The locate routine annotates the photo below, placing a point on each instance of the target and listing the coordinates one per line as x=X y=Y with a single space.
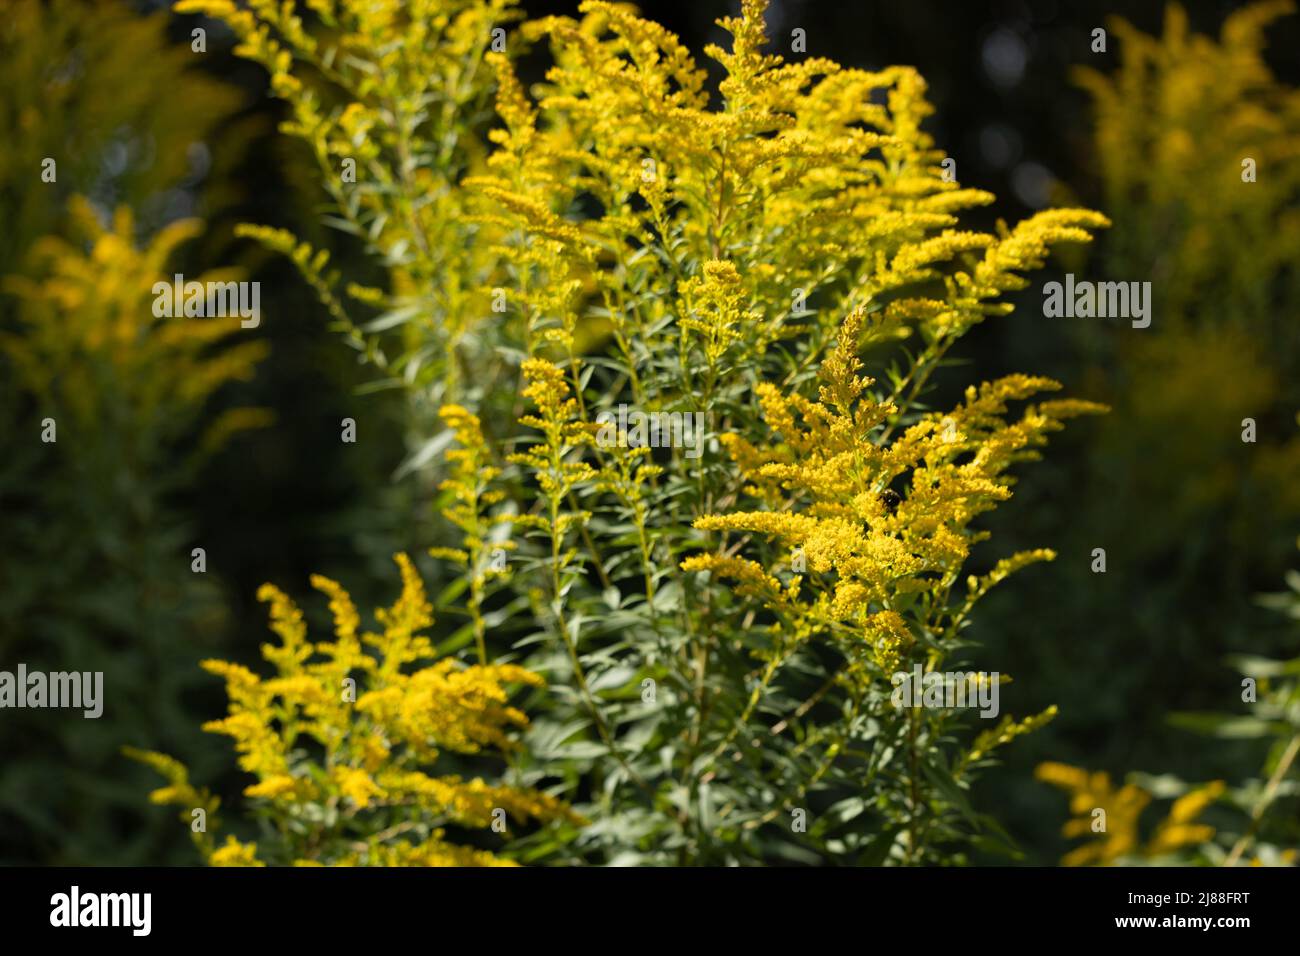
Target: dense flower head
x=881 y=521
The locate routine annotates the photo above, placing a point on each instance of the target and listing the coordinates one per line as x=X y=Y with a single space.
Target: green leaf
x=1227 y=726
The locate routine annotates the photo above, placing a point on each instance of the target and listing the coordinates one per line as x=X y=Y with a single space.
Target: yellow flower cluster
x=808 y=173
x=342 y=740
x=385 y=96
x=1111 y=815
x=1198 y=134
x=92 y=346
x=714 y=307
x=803 y=177
x=829 y=479
x=1197 y=142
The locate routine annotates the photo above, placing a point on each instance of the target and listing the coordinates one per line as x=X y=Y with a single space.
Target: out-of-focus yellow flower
x=234 y=853
x=1112 y=815
x=91 y=345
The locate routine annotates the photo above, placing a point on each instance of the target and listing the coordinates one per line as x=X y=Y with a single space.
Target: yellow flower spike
x=287 y=622
x=346 y=619
x=714 y=307
x=411 y=612
x=472 y=497
x=1179 y=828
x=750 y=577
x=272 y=787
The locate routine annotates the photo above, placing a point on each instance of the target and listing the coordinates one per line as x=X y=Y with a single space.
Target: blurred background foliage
x=97 y=529
x=95 y=544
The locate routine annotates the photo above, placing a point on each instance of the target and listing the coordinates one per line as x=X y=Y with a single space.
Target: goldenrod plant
x=101 y=574
x=1182 y=498
x=100 y=101
x=699 y=480
x=393 y=100
x=344 y=741
x=744 y=540
x=97 y=349
x=1259 y=823
x=1196 y=143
